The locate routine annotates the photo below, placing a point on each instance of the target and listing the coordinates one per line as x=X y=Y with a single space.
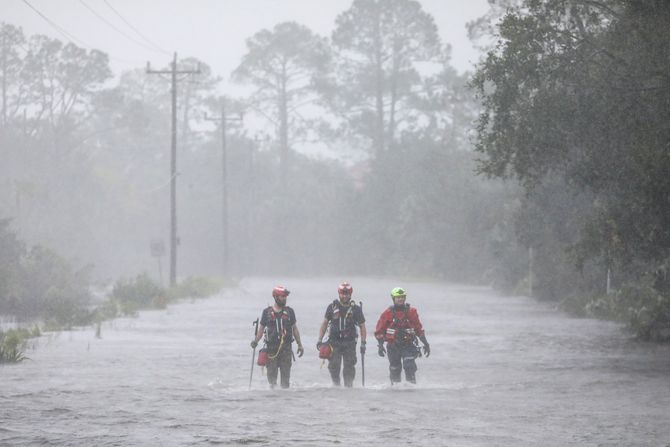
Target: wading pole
x=253 y=356
x=362 y=357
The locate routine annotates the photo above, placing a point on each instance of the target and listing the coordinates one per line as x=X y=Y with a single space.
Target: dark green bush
x=107 y=310
x=576 y=305
x=138 y=293
x=52 y=290
x=644 y=309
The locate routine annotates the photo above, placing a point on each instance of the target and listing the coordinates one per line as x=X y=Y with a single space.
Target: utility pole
x=224 y=119
x=174 y=240
x=4 y=79
x=530 y=271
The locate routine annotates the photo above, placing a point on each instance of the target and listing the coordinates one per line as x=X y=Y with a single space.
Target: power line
x=111 y=25
x=65 y=34
x=68 y=36
x=149 y=41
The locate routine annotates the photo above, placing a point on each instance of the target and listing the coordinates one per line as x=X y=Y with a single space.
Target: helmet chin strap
x=279 y=303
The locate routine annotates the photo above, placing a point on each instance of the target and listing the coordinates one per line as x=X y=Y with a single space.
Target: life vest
x=342 y=324
x=401 y=329
x=279 y=329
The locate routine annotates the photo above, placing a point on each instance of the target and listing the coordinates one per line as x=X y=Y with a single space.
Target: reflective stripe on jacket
x=401 y=324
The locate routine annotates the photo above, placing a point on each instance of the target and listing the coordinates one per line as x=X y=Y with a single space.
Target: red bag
x=325 y=351
x=262 y=357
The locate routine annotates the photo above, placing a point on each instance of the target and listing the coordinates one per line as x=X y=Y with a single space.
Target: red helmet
x=345 y=289
x=280 y=291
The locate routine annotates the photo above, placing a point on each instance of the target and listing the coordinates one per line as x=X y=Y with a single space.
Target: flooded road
x=504 y=371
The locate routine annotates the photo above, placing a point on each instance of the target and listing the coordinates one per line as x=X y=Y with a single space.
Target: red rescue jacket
x=401 y=325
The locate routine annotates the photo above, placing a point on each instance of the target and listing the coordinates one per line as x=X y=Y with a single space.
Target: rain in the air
x=334 y=222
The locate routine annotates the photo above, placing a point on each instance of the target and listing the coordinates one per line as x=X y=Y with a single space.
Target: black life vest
x=342 y=323
x=279 y=327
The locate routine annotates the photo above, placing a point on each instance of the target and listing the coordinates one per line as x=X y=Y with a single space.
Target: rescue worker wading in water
x=278 y=323
x=343 y=315
x=399 y=326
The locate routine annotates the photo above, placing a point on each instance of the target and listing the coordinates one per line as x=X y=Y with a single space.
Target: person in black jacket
x=344 y=316
x=278 y=324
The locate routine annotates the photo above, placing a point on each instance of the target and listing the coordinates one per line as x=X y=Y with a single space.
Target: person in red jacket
x=399 y=326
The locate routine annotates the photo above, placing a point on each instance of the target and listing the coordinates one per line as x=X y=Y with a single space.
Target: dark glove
x=426 y=349
x=254 y=343
x=319 y=344
x=426 y=346
x=301 y=351
x=380 y=349
x=362 y=348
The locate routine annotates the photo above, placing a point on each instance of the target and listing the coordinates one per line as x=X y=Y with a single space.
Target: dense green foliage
x=576 y=101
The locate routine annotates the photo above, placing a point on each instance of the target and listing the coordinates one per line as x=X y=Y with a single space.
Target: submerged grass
x=13 y=344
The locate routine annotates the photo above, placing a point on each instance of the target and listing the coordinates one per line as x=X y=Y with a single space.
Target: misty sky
x=212 y=30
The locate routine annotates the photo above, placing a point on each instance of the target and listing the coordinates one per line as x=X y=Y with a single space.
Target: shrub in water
x=647 y=312
x=138 y=293
x=12 y=345
x=193 y=287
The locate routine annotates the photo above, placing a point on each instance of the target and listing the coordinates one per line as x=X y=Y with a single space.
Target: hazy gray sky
x=214 y=31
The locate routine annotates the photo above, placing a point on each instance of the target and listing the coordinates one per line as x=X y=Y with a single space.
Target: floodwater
x=504 y=371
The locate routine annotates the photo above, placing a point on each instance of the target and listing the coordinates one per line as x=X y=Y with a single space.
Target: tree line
x=575 y=99
x=86 y=169
x=365 y=152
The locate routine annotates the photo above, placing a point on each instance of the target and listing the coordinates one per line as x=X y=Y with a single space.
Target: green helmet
x=398 y=291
